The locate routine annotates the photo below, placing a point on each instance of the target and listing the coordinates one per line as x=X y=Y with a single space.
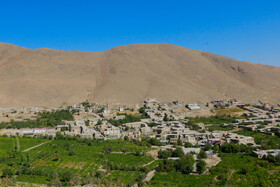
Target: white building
x=193 y=106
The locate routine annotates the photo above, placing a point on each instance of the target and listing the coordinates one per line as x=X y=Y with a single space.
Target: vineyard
x=234 y=170
x=65 y=160
x=73 y=161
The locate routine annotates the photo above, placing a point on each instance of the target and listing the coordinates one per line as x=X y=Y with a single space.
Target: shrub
x=7 y=172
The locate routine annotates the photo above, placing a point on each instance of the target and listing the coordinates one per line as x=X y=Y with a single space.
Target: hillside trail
x=149 y=163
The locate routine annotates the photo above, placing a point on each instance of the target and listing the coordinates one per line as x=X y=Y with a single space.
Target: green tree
x=178 y=152
x=164 y=154
x=179 y=142
x=188 y=144
x=207 y=147
x=165 y=118
x=166 y=166
x=99 y=122
x=216 y=148
x=185 y=164
x=200 y=166
x=126 y=138
x=201 y=155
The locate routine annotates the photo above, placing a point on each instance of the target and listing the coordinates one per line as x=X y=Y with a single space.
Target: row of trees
x=45 y=119
x=235 y=148
x=185 y=163
x=128 y=119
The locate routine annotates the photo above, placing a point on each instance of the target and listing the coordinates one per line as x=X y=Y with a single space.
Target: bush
x=99 y=174
x=188 y=144
x=56 y=183
x=244 y=170
x=166 y=166
x=152 y=124
x=7 y=172
x=99 y=122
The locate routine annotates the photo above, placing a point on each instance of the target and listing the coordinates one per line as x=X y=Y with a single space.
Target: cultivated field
x=115 y=160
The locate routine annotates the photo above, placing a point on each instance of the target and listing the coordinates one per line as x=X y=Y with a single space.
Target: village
x=168 y=123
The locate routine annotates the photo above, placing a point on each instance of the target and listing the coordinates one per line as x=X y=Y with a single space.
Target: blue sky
x=247 y=30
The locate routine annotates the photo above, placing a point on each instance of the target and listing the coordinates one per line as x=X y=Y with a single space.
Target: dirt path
x=148 y=163
x=234 y=130
x=115 y=152
x=35 y=146
x=212 y=161
x=230 y=173
x=18 y=144
x=149 y=176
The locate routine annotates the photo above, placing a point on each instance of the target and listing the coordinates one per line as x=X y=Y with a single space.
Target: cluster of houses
x=164 y=122
x=265 y=153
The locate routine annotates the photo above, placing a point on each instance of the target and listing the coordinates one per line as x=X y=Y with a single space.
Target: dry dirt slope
x=129 y=74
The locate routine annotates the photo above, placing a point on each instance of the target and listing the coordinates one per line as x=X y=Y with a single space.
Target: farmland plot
x=63 y=159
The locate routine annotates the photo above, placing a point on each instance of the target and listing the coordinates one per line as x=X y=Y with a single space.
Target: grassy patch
x=179 y=179
x=212 y=120
x=34 y=178
x=228 y=112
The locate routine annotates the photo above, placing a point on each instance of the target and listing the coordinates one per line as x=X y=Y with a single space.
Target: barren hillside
x=129 y=74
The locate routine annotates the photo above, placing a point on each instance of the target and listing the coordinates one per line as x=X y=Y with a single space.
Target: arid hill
x=128 y=75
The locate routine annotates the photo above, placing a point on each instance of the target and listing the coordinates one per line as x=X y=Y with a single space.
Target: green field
x=115 y=160
x=8 y=144
x=233 y=170
x=80 y=161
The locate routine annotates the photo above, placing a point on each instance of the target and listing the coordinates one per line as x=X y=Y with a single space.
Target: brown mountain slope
x=129 y=74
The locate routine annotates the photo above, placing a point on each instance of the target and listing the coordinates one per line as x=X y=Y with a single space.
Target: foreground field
x=234 y=170
x=67 y=161
x=71 y=161
x=7 y=145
